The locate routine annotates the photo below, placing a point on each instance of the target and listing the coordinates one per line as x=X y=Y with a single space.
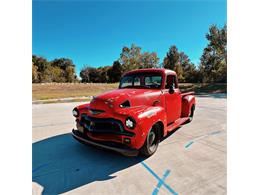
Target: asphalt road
x=190 y=161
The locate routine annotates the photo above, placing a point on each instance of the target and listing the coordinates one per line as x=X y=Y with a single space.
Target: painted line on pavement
x=159 y=179
x=159 y=185
x=189 y=143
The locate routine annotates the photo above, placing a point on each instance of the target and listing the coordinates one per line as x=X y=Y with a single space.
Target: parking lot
x=192 y=160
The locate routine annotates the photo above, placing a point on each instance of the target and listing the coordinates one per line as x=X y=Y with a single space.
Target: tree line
x=59 y=70
x=212 y=66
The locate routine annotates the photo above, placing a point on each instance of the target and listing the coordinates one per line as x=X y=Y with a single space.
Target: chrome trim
x=131 y=152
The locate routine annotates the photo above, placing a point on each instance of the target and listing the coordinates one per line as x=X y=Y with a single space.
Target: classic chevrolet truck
x=135 y=117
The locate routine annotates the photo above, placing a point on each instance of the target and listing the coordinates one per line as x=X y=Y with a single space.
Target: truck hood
x=136 y=97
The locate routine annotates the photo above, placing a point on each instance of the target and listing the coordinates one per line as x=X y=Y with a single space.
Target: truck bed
x=187 y=93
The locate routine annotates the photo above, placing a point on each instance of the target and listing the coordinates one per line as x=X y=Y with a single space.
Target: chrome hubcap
x=152 y=141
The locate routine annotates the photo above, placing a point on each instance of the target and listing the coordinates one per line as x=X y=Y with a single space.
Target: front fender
x=82 y=109
x=145 y=119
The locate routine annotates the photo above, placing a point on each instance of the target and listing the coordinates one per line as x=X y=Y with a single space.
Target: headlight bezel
x=128 y=121
x=75 y=112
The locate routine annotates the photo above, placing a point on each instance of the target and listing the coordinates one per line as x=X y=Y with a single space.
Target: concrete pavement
x=190 y=161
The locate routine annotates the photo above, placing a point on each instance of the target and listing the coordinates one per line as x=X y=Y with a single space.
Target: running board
x=177 y=123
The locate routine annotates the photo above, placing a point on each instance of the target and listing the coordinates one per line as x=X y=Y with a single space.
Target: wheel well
x=161 y=128
x=192 y=110
x=192 y=107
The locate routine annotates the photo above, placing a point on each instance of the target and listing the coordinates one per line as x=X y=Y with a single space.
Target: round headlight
x=130 y=123
x=75 y=112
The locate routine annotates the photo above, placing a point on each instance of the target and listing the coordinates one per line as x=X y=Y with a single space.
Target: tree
x=53 y=74
x=94 y=75
x=172 y=58
x=34 y=73
x=58 y=70
x=181 y=64
x=89 y=74
x=67 y=66
x=62 y=63
x=149 y=60
x=84 y=74
x=114 y=73
x=188 y=68
x=218 y=40
x=103 y=74
x=69 y=74
x=179 y=71
x=130 y=57
x=42 y=64
x=191 y=74
x=213 y=62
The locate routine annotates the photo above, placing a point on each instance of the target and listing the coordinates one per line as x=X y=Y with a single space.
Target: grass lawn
x=47 y=91
x=66 y=90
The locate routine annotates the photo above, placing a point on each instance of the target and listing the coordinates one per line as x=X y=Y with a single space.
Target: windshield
x=141 y=80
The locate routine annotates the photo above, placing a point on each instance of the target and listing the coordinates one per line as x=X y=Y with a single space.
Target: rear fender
x=187 y=102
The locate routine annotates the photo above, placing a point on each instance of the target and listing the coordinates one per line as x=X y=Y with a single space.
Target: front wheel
x=152 y=141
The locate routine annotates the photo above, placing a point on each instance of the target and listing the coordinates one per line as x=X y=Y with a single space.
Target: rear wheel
x=152 y=141
x=191 y=113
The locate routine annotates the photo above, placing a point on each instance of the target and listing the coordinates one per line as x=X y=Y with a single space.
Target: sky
x=93 y=33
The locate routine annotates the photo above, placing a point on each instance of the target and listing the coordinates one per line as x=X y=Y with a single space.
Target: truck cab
x=132 y=119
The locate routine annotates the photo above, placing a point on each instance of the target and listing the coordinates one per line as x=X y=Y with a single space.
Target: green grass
x=66 y=90
x=49 y=91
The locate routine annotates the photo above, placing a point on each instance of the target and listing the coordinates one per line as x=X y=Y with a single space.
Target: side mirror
x=171 y=89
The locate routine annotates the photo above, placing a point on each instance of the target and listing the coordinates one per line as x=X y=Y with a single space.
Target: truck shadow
x=169 y=134
x=61 y=164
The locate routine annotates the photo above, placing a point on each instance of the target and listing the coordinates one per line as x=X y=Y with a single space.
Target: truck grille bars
x=103 y=125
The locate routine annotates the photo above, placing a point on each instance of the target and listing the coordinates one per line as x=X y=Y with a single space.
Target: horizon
x=77 y=30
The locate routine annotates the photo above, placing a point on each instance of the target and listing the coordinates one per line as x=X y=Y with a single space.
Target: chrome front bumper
x=84 y=139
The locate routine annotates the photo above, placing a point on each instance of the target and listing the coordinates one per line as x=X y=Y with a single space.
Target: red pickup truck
x=134 y=118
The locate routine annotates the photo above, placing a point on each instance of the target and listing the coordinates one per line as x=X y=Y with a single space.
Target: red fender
x=187 y=102
x=146 y=119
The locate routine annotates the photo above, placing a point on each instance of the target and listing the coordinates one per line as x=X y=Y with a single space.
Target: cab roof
x=156 y=70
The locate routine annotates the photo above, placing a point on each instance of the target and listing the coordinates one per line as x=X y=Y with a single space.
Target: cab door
x=172 y=100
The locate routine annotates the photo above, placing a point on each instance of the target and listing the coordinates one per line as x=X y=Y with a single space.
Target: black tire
x=191 y=113
x=152 y=141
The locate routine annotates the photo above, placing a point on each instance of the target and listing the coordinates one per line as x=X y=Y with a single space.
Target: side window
x=153 y=81
x=170 y=80
x=137 y=81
